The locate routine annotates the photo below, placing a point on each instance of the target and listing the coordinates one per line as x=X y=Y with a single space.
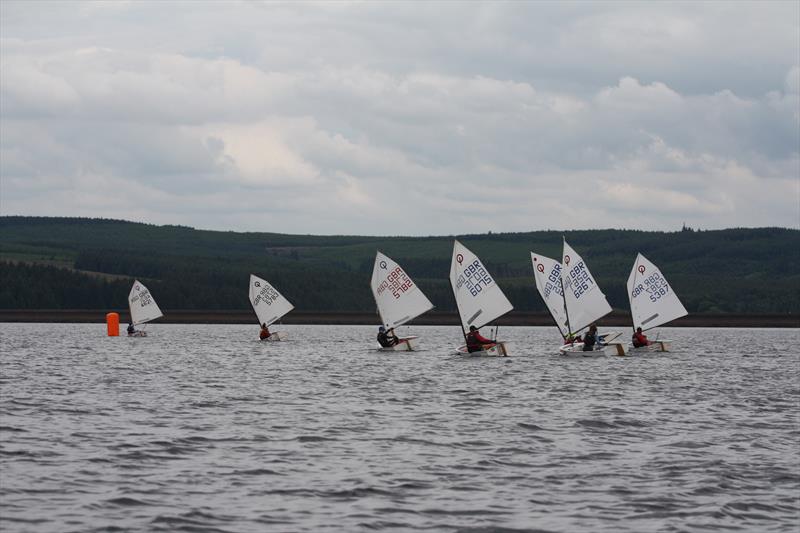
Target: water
x=203 y=428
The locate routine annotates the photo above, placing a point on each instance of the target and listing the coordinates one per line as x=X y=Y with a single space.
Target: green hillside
x=62 y=263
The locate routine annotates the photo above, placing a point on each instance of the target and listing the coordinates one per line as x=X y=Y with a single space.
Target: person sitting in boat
x=264 y=334
x=131 y=329
x=477 y=342
x=590 y=339
x=639 y=338
x=387 y=339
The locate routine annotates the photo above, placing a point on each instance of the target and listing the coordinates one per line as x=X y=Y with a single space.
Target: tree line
x=735 y=271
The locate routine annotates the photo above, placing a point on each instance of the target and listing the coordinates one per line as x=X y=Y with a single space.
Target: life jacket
x=473 y=344
x=383 y=339
x=265 y=334
x=639 y=340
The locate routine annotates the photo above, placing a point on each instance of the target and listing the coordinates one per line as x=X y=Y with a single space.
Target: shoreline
x=182 y=316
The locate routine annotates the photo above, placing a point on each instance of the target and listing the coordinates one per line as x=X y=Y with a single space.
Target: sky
x=402 y=118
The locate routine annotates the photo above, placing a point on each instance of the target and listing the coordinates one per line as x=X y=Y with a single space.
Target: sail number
x=579 y=280
x=143 y=298
x=655 y=286
x=553 y=282
x=397 y=282
x=267 y=295
x=475 y=277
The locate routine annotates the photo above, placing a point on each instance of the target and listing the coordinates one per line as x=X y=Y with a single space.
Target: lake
x=204 y=428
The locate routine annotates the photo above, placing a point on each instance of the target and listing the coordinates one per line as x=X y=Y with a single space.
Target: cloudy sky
x=402 y=118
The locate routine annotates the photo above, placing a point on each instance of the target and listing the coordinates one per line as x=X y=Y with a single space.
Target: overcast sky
x=402 y=118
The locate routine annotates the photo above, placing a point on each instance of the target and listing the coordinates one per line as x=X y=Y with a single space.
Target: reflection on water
x=204 y=428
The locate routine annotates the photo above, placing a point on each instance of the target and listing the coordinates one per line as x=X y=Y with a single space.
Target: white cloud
x=394 y=118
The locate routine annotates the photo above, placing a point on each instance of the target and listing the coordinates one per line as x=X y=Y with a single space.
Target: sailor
x=131 y=329
x=590 y=339
x=477 y=342
x=639 y=339
x=387 y=339
x=264 y=334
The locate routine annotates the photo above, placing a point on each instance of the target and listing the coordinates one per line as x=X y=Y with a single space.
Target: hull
x=576 y=350
x=277 y=336
x=138 y=334
x=408 y=344
x=498 y=350
x=654 y=346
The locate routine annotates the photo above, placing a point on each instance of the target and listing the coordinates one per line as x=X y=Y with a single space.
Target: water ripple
x=205 y=429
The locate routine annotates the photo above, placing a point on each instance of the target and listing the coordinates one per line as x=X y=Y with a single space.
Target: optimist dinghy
x=269 y=305
x=143 y=307
x=398 y=298
x=653 y=302
x=583 y=303
x=478 y=298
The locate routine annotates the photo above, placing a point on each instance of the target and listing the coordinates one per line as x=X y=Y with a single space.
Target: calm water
x=203 y=428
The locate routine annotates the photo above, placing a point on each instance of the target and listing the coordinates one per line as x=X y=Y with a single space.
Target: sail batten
x=583 y=299
x=478 y=297
x=398 y=298
x=653 y=302
x=268 y=304
x=142 y=305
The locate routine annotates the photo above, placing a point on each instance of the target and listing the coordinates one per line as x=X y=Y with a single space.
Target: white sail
x=398 y=298
x=142 y=305
x=584 y=300
x=547 y=273
x=653 y=302
x=478 y=297
x=268 y=303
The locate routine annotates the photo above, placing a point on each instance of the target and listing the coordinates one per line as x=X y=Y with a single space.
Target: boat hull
x=407 y=344
x=138 y=334
x=576 y=350
x=654 y=346
x=277 y=336
x=500 y=349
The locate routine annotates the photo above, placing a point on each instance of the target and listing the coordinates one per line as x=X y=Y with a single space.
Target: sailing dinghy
x=584 y=303
x=398 y=299
x=653 y=302
x=269 y=305
x=478 y=298
x=143 y=307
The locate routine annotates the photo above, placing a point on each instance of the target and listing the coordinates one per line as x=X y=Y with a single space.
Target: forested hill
x=77 y=263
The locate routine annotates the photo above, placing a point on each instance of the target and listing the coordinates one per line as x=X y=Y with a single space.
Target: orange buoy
x=112 y=323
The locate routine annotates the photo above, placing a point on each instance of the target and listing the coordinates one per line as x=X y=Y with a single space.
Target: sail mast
x=563 y=294
x=630 y=293
x=566 y=311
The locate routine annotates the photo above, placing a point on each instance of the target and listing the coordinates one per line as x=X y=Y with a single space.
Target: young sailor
x=477 y=342
x=387 y=339
x=264 y=334
x=590 y=339
x=131 y=329
x=639 y=339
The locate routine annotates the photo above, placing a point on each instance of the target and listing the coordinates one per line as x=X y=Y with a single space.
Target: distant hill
x=80 y=263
